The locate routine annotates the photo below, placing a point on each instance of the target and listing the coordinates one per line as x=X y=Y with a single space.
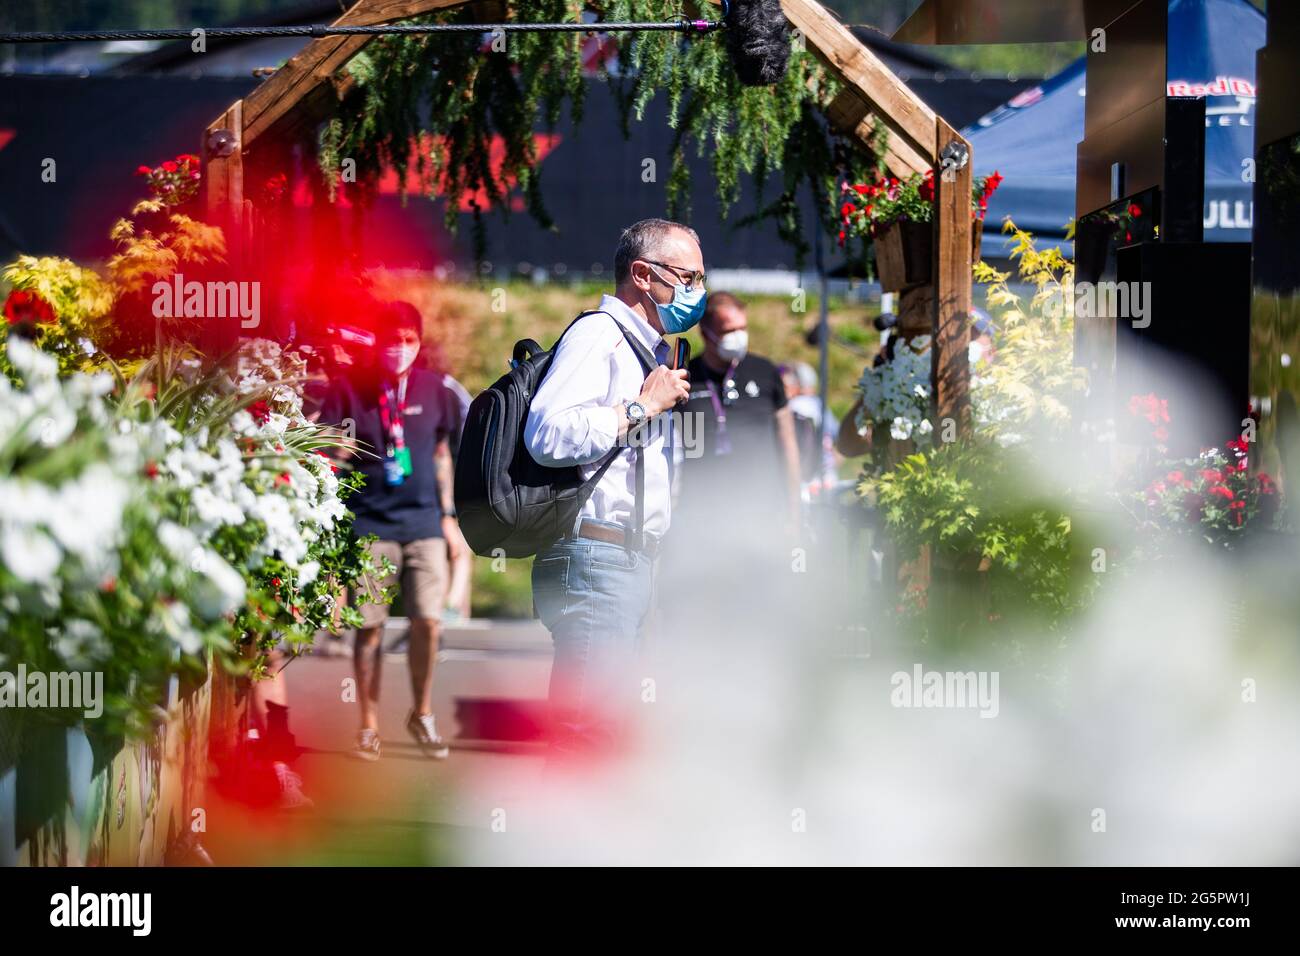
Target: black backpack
x=507 y=503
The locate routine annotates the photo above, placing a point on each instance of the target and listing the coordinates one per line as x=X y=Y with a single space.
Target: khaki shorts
x=422 y=570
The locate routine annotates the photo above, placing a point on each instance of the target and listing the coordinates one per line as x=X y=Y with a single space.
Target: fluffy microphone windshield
x=757 y=40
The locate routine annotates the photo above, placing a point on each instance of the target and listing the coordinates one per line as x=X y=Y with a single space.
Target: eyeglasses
x=692 y=278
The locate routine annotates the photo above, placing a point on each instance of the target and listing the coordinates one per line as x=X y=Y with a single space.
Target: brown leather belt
x=602 y=532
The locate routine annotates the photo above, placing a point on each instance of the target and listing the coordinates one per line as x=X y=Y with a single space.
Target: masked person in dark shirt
x=747 y=469
x=401 y=417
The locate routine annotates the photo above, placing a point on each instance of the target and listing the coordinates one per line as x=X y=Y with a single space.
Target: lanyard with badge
x=392 y=413
x=722 y=444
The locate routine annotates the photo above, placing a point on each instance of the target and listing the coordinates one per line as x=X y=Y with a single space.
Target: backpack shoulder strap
x=648 y=364
x=643 y=354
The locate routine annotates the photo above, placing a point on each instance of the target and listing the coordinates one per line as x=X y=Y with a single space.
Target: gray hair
x=642 y=240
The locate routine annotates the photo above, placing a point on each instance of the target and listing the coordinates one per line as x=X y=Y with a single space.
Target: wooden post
x=223 y=153
x=952 y=286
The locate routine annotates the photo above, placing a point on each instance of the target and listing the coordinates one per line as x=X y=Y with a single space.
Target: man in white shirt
x=592 y=588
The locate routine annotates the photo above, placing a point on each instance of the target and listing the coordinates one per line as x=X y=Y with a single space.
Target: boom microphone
x=757 y=40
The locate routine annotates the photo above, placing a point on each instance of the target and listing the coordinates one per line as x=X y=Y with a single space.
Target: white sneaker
x=424 y=731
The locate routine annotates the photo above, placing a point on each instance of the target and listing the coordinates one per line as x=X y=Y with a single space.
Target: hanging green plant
x=433 y=106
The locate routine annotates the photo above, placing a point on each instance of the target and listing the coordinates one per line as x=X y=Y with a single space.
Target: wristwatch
x=635 y=413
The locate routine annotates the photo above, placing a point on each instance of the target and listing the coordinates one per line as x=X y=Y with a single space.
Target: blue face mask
x=681 y=314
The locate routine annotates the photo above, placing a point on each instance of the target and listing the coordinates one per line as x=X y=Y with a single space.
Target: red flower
x=169 y=166
x=848 y=209
x=260 y=411
x=862 y=189
x=926 y=190
x=992 y=183
x=1223 y=491
x=143 y=171
x=187 y=159
x=1176 y=478
x=151 y=469
x=24 y=306
x=282 y=478
x=1150 y=407
x=1210 y=475
x=1134 y=210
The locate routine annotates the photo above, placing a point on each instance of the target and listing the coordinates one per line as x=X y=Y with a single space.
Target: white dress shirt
x=572 y=419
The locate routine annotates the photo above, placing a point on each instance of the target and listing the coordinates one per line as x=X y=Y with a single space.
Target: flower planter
x=958 y=595
x=70 y=796
x=904 y=252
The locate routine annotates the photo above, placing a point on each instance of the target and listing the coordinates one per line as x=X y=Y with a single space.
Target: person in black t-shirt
x=748 y=467
x=401 y=418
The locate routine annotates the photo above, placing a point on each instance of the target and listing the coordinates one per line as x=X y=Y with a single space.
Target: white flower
x=86 y=515
x=242 y=423
x=80 y=642
x=220 y=588
x=180 y=542
x=173 y=619
x=213 y=511
x=29 y=554
x=31 y=362
x=307 y=573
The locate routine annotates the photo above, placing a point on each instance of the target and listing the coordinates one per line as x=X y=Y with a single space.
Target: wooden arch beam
x=872 y=88
x=917 y=138
x=285 y=91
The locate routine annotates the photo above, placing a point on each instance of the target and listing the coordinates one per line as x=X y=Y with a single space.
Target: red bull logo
x=1222 y=86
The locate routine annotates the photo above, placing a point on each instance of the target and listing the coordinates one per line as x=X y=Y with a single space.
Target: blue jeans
x=594 y=598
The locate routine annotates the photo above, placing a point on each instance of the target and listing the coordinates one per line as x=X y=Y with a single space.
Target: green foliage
x=454 y=97
x=971 y=502
x=173 y=510
x=1215 y=497
x=1026 y=390
x=967 y=503
x=79 y=298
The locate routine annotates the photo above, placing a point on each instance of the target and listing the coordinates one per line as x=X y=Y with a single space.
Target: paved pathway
x=489 y=690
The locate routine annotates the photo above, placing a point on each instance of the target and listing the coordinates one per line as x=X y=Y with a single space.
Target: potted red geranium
x=173 y=181
x=896 y=214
